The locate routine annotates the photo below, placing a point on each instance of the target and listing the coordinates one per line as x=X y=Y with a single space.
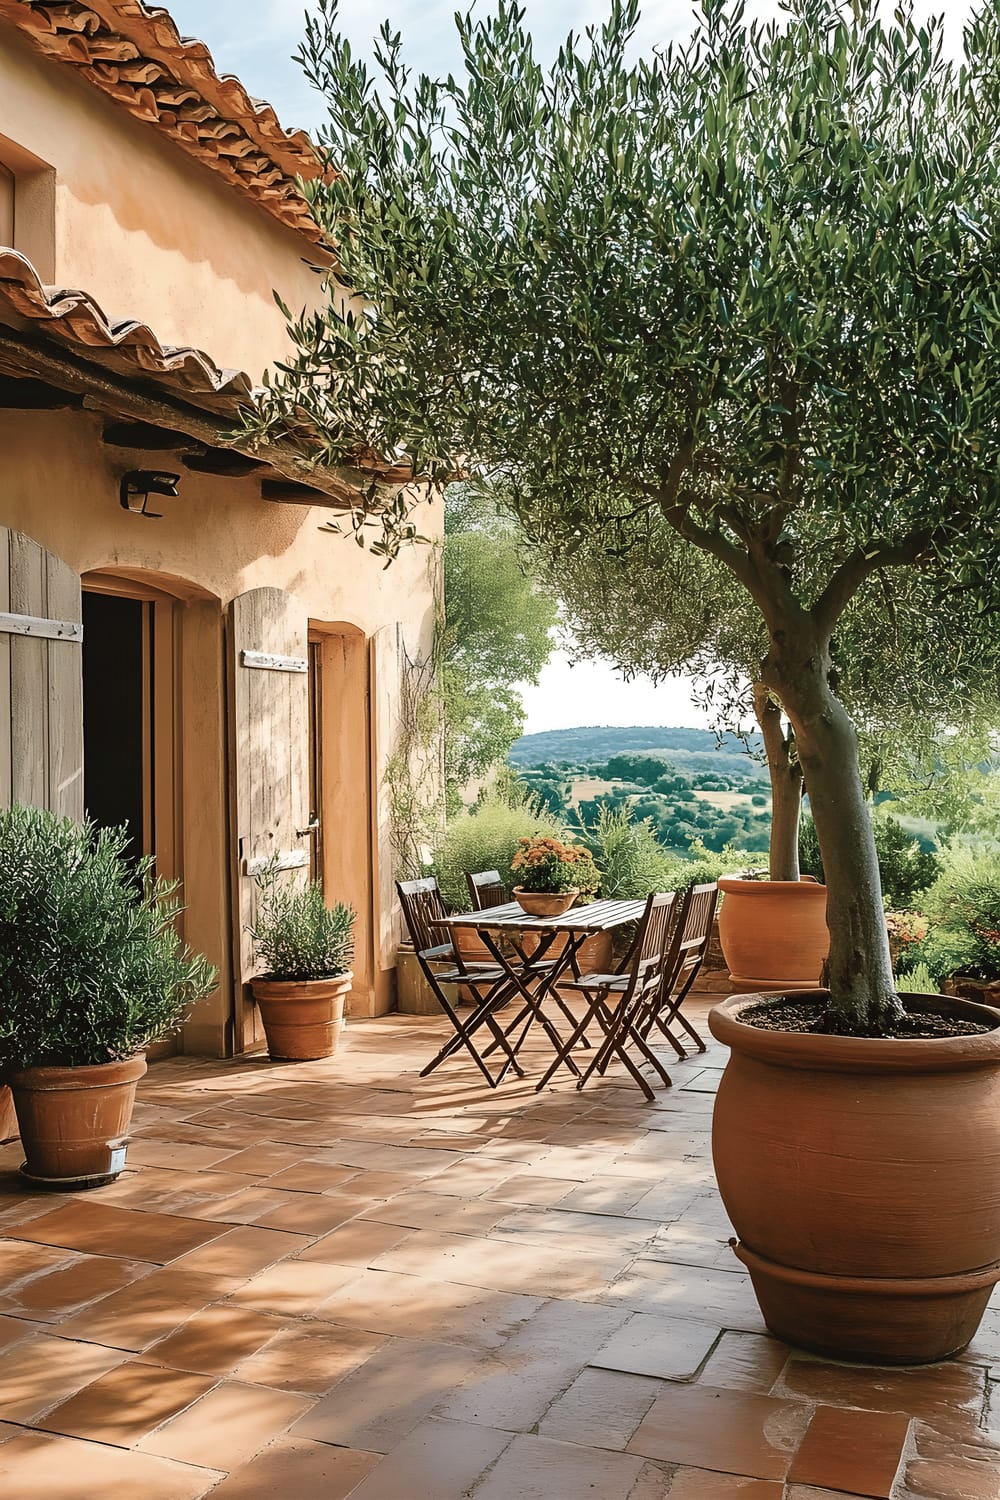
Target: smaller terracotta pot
x=303 y=1019
x=544 y=903
x=773 y=933
x=73 y=1122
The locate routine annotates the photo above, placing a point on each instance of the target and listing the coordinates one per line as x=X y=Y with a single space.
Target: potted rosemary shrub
x=306 y=948
x=91 y=971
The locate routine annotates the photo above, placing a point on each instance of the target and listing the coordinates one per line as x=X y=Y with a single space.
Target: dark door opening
x=117 y=729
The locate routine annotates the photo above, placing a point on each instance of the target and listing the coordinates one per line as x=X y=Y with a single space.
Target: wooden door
x=41 y=678
x=269 y=736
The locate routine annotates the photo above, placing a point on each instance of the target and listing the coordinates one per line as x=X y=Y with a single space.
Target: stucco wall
x=147 y=230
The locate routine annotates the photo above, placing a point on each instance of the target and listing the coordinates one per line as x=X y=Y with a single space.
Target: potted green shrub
x=91 y=971
x=729 y=316
x=306 y=949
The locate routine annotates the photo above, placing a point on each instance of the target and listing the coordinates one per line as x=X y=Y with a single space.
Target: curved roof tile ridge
x=75 y=318
x=134 y=53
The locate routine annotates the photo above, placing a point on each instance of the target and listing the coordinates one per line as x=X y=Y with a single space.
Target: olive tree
x=742 y=292
x=924 y=714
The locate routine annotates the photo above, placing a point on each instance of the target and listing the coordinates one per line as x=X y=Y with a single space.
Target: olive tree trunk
x=785 y=771
x=862 y=991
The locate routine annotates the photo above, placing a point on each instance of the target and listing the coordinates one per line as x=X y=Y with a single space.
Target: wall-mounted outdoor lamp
x=139 y=484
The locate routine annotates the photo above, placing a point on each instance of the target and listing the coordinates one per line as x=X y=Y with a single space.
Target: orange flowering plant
x=546 y=864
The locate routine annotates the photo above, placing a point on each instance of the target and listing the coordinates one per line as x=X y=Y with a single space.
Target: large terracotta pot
x=303 y=1019
x=773 y=933
x=73 y=1122
x=863 y=1179
x=544 y=903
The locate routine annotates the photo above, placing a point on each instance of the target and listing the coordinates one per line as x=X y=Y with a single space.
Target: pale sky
x=255 y=39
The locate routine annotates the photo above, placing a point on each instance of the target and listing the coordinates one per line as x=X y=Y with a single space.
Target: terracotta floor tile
x=470 y=1178
x=732 y=1431
x=13 y=1330
x=59 y=1294
x=532 y=1189
x=745 y=1362
x=417 y=1307
x=98 y=1230
x=309 y=1357
x=612 y=1195
x=702 y=1484
x=314 y=1213
x=810 y=1492
x=239 y=1253
x=356 y=1243
x=599 y=1233
x=293 y=1287
x=562 y=1271
x=243 y=1207
x=537 y=1468
x=296 y=1469
x=439 y=1211
x=122 y=1406
x=310 y=1177
x=20 y=1260
x=35 y=1466
x=215 y=1340
x=132 y=1318
x=377 y=1406
x=181 y=1154
x=436 y=1461
x=512 y=1389
x=930 y=1391
x=39 y=1372
x=944 y=1479
x=263 y=1160
x=412 y=1161
x=649 y=1344
x=377 y=1186
x=225 y=1428
x=688 y=1291
x=857 y=1449
x=601 y=1409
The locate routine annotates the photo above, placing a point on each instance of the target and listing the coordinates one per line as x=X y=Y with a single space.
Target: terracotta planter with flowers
x=548 y=875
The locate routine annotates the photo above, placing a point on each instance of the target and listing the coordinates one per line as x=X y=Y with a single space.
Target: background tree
x=742 y=296
x=498 y=634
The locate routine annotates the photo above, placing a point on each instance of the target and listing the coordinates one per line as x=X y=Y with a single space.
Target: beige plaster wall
x=147 y=230
x=216 y=540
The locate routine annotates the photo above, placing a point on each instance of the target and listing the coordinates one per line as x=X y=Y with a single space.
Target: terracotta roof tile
x=126 y=345
x=135 y=54
x=130 y=349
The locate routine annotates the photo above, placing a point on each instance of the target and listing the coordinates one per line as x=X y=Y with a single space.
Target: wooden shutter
x=386 y=650
x=41 y=678
x=269 y=724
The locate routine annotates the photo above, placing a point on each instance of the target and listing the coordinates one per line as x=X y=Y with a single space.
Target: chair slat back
x=486 y=888
x=422 y=903
x=694 y=928
x=651 y=942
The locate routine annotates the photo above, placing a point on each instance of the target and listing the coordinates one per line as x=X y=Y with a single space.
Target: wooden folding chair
x=617 y=1001
x=487 y=983
x=689 y=944
x=486 y=888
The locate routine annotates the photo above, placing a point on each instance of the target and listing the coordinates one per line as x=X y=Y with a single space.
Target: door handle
x=311 y=828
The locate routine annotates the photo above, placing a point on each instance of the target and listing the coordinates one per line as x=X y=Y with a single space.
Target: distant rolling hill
x=595 y=743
